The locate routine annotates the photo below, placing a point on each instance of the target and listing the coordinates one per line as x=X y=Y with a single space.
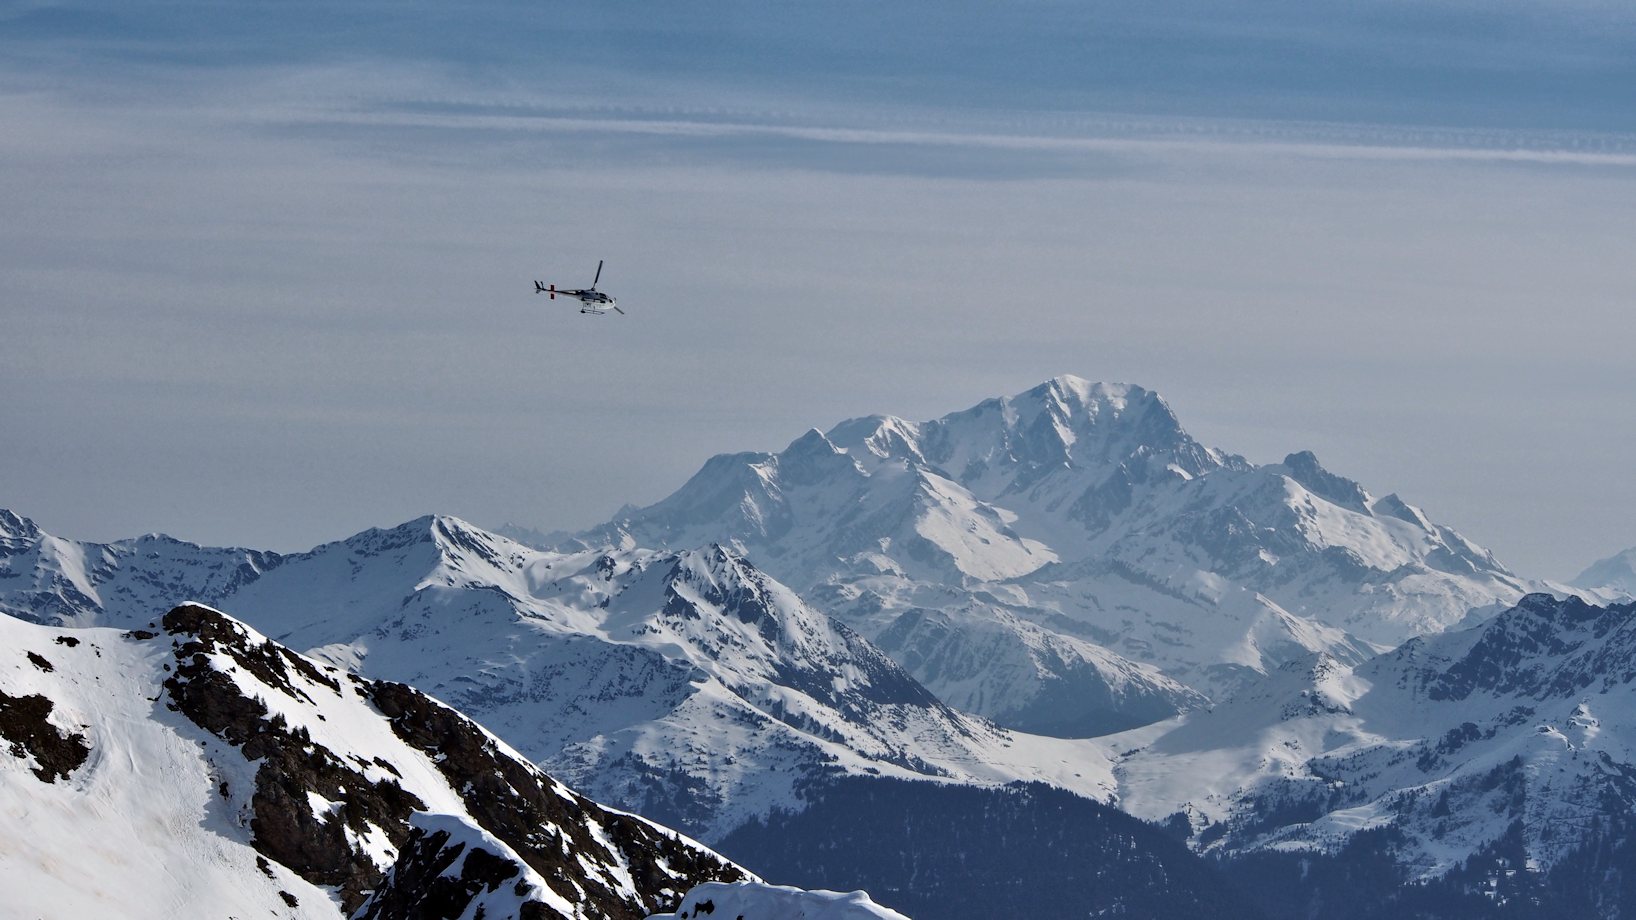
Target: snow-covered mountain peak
x=14 y=526
x=1086 y=391
x=1393 y=506
x=750 y=629
x=437 y=529
x=724 y=578
x=1007 y=444
x=886 y=488
x=1075 y=401
x=874 y=438
x=1065 y=422
x=466 y=544
x=1086 y=511
x=717 y=579
x=1304 y=468
x=442 y=547
x=1067 y=396
x=812 y=458
x=1617 y=572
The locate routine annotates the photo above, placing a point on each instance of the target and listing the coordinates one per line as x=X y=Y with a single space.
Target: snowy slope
x=202 y=770
x=1523 y=725
x=1078 y=533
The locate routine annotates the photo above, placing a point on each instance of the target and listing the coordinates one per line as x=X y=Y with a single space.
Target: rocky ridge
x=291 y=787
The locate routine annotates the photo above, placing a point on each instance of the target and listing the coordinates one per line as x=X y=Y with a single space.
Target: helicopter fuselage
x=594 y=301
x=590 y=299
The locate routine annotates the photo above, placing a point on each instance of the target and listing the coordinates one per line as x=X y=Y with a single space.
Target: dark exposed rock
x=420 y=886
x=284 y=826
x=1304 y=468
x=517 y=803
x=39 y=661
x=1542 y=647
x=24 y=725
x=549 y=829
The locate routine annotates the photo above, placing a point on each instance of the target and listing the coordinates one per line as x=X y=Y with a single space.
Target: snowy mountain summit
x=1617 y=574
x=1070 y=560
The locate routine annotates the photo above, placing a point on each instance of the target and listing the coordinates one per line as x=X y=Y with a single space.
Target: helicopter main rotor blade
x=598 y=274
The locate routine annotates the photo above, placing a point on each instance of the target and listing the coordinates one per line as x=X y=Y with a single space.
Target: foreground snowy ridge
x=199 y=769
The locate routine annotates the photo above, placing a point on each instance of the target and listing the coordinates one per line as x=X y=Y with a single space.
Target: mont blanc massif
x=1045 y=657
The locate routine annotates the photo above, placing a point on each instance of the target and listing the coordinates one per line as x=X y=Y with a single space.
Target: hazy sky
x=266 y=268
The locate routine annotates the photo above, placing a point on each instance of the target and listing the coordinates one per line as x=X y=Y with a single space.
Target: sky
x=266 y=268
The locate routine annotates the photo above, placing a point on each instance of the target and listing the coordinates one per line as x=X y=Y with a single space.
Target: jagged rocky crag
x=296 y=788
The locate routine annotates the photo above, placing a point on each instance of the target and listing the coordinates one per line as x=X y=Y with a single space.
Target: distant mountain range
x=1059 y=591
x=688 y=686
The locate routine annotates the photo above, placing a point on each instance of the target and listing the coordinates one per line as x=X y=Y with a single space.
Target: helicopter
x=590 y=299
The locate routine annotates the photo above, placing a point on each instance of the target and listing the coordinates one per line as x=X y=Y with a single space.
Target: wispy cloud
x=264 y=294
x=1107 y=135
